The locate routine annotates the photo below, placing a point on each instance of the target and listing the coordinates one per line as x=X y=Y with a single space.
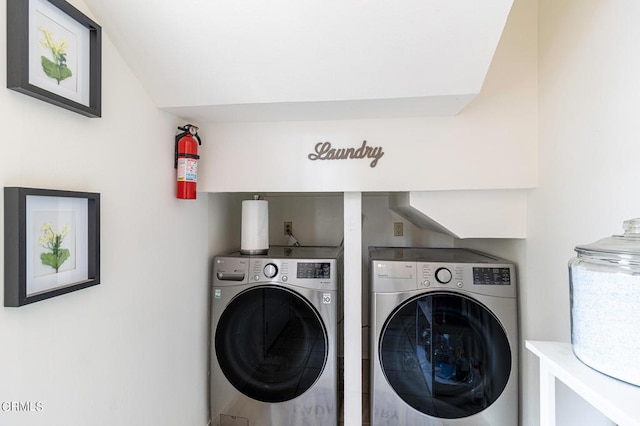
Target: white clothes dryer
x=444 y=338
x=274 y=337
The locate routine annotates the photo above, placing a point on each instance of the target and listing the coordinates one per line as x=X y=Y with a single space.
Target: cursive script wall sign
x=324 y=151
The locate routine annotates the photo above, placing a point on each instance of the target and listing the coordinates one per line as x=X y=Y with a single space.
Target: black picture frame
x=81 y=91
x=34 y=220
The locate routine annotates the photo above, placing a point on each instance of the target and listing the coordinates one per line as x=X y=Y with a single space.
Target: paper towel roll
x=255 y=227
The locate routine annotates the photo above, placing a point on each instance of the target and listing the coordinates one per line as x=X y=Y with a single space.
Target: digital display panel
x=314 y=270
x=491 y=276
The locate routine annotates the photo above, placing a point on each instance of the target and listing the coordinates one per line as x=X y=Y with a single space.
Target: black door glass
x=445 y=355
x=271 y=344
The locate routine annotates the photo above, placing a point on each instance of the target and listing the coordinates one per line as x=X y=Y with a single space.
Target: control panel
x=435 y=274
x=463 y=275
x=304 y=273
x=394 y=269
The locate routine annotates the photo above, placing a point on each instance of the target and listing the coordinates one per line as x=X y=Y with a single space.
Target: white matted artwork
x=59 y=58
x=57 y=242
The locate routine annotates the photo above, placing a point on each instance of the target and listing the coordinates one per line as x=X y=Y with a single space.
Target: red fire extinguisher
x=186 y=161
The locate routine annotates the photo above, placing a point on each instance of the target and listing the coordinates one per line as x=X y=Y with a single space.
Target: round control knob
x=443 y=275
x=270 y=270
x=426 y=283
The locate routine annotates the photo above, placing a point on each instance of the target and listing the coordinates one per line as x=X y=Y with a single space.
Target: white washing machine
x=444 y=338
x=274 y=337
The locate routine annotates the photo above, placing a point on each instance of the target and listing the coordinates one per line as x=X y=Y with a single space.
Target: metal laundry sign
x=324 y=151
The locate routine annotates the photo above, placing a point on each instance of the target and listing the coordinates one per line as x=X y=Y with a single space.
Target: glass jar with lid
x=605 y=304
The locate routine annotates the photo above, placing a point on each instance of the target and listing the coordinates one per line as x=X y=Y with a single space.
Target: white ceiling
x=251 y=60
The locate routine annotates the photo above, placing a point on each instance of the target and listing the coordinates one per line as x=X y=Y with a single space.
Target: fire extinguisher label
x=187 y=169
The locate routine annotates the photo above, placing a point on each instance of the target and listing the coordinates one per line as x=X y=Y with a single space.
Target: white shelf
x=617 y=400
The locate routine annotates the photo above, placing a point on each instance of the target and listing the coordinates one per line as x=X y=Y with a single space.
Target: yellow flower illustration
x=56 y=68
x=52 y=241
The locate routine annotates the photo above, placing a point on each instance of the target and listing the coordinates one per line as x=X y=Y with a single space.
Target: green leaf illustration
x=55 y=260
x=53 y=70
x=56 y=68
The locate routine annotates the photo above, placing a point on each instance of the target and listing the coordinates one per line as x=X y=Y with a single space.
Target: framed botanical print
x=52 y=243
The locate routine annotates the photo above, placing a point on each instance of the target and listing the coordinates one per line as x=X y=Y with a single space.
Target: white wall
x=589 y=100
x=490 y=144
x=132 y=350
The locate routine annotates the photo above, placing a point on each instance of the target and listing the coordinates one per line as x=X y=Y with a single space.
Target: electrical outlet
x=288 y=228
x=397 y=229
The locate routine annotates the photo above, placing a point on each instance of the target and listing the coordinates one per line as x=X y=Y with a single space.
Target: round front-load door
x=271 y=344
x=445 y=355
